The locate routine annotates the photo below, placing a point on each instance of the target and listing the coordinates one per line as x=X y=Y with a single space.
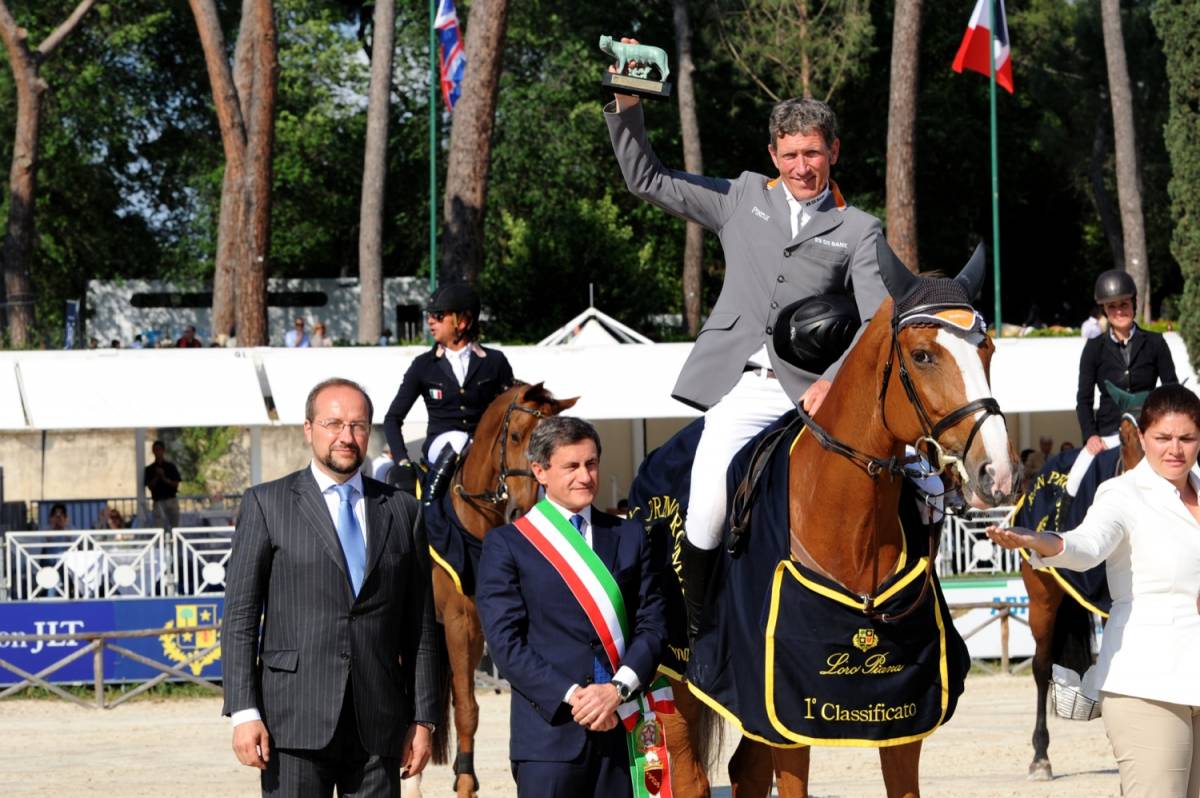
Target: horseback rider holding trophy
x=795 y=254
x=457 y=379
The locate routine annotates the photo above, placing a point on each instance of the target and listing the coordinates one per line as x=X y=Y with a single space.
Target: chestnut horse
x=917 y=375
x=492 y=485
x=1062 y=632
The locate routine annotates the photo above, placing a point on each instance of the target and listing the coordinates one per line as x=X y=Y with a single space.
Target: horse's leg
x=1045 y=596
x=464 y=645
x=901 y=769
x=688 y=779
x=751 y=769
x=791 y=771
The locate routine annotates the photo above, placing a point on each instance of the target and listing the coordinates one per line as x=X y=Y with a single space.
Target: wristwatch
x=431 y=726
x=624 y=691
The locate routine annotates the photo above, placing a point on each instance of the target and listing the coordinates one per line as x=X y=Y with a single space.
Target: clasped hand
x=595 y=707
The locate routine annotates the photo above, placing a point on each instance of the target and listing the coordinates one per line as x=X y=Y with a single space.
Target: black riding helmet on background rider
x=461 y=300
x=1114 y=285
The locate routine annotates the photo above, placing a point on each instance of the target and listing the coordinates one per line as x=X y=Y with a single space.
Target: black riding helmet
x=454 y=297
x=813 y=333
x=1113 y=285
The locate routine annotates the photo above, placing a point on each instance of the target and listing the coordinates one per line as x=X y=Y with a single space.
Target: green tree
x=1178 y=23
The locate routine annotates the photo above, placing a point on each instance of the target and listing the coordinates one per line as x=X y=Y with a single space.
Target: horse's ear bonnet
x=932 y=299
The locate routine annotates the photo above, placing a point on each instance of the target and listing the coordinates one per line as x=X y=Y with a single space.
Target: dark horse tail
x=441 y=734
x=1074 y=635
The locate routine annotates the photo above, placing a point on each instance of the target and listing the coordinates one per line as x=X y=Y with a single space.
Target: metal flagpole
x=434 y=80
x=995 y=163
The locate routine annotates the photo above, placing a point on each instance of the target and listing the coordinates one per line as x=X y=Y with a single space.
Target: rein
x=895 y=466
x=489 y=501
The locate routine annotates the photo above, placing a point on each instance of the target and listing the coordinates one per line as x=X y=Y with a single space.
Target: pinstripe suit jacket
x=287 y=568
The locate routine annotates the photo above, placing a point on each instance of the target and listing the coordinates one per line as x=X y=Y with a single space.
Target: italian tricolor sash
x=593 y=586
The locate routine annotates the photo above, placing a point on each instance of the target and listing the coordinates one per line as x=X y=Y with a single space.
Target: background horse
x=1062 y=630
x=492 y=485
x=918 y=375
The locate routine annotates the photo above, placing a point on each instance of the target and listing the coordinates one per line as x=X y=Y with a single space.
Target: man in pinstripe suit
x=344 y=690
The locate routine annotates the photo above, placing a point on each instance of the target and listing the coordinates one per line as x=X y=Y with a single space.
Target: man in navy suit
x=565 y=737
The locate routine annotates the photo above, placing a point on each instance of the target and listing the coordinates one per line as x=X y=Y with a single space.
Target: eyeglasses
x=437 y=315
x=334 y=426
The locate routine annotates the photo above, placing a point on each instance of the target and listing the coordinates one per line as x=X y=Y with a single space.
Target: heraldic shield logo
x=865 y=640
x=196 y=650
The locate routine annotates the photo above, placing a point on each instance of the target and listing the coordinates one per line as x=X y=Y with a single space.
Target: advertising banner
x=112 y=615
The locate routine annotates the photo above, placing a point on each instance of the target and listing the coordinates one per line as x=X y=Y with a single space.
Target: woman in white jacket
x=1145 y=527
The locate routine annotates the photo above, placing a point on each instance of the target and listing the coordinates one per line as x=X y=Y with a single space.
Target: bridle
x=489 y=501
x=936 y=455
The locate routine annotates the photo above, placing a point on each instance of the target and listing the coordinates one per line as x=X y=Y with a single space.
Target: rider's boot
x=698 y=565
x=440 y=474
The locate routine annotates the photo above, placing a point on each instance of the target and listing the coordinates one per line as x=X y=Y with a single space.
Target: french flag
x=973 y=52
x=453 y=59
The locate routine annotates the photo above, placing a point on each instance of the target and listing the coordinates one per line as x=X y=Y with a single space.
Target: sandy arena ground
x=181 y=748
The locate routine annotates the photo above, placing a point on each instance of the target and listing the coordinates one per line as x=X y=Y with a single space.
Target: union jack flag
x=453 y=59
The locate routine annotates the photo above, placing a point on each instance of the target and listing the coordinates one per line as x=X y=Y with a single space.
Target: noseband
x=490 y=500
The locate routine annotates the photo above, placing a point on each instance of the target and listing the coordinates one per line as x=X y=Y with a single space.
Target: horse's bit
x=489 y=500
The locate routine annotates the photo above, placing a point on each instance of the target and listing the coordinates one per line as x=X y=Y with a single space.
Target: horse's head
x=937 y=393
x=498 y=456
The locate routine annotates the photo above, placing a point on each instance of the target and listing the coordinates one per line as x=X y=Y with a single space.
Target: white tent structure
x=592 y=327
x=265 y=387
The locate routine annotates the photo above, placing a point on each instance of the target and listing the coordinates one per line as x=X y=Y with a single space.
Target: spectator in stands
x=58 y=517
x=1037 y=459
x=320 y=337
x=297 y=338
x=1093 y=326
x=385 y=338
x=93 y=343
x=114 y=344
x=114 y=519
x=1066 y=446
x=188 y=340
x=382 y=464
x=137 y=342
x=162 y=479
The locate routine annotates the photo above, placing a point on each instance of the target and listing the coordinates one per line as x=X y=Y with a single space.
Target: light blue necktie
x=351 y=537
x=600 y=673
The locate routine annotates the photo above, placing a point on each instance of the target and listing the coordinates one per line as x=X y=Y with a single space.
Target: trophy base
x=625 y=84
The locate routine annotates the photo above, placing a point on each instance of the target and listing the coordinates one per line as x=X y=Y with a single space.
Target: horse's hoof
x=1040 y=771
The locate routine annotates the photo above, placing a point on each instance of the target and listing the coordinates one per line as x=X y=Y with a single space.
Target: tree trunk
x=1129 y=193
x=244 y=97
x=1109 y=219
x=370 y=218
x=471 y=143
x=22 y=179
x=693 y=161
x=805 y=64
x=260 y=146
x=902 y=133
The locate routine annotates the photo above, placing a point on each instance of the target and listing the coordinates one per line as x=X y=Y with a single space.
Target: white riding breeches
x=753 y=403
x=1084 y=460
x=453 y=438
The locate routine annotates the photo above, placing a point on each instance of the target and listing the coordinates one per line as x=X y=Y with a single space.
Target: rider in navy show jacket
x=457 y=379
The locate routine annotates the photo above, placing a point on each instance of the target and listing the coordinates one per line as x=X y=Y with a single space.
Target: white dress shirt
x=1149 y=543
x=801 y=213
x=459 y=362
x=624 y=674
x=333 y=501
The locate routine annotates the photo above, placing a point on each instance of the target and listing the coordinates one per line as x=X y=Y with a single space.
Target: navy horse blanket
x=1042 y=510
x=450 y=545
x=788 y=655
